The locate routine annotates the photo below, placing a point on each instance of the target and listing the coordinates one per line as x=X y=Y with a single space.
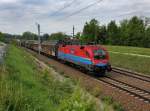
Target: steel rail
x=137 y=92
x=131 y=74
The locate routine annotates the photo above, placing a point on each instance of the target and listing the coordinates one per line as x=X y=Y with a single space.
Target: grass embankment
x=132 y=58
x=1 y=44
x=23 y=87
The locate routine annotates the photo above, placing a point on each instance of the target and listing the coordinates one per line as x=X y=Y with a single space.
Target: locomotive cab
x=100 y=60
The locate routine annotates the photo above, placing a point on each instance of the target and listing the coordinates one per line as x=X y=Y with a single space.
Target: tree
x=29 y=36
x=78 y=35
x=136 y=31
x=57 y=36
x=45 y=37
x=103 y=35
x=4 y=37
x=113 y=33
x=124 y=34
x=146 y=40
x=1 y=36
x=91 y=31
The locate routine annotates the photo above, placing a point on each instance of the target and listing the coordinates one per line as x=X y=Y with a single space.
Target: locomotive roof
x=93 y=47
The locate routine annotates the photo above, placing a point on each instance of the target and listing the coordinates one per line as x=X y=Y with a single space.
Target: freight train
x=91 y=57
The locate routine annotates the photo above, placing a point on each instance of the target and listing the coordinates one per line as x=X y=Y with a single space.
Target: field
x=26 y=87
x=132 y=58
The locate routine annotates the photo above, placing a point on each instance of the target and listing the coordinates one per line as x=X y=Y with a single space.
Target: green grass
x=109 y=101
x=24 y=87
x=126 y=49
x=1 y=43
x=132 y=62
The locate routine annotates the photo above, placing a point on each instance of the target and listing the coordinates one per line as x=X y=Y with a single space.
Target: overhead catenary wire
x=63 y=8
x=131 y=13
x=82 y=9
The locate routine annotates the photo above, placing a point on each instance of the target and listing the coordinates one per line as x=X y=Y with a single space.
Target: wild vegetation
x=24 y=87
x=1 y=37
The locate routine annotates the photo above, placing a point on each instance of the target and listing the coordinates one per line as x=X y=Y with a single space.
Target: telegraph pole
x=39 y=39
x=73 y=31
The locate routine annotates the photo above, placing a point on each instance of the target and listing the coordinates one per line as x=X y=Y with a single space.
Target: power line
x=64 y=7
x=82 y=9
x=130 y=13
x=121 y=15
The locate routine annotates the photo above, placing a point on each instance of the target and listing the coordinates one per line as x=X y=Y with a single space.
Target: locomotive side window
x=72 y=50
x=99 y=54
x=87 y=54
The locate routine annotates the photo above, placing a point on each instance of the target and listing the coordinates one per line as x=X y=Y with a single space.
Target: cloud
x=17 y=16
x=7 y=1
x=34 y=2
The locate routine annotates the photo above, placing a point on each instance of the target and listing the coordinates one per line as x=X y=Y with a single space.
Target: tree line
x=54 y=36
x=6 y=37
x=131 y=32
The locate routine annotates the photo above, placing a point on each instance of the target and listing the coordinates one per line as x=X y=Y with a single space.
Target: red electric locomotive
x=91 y=57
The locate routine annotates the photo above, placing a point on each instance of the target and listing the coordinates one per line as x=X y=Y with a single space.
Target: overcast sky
x=17 y=16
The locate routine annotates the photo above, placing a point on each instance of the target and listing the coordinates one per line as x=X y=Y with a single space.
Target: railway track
x=132 y=90
x=131 y=74
x=141 y=94
x=138 y=93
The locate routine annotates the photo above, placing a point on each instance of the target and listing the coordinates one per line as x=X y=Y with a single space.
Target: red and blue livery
x=91 y=57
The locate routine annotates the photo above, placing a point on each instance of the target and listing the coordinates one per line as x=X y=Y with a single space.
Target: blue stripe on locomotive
x=74 y=58
x=101 y=65
x=77 y=59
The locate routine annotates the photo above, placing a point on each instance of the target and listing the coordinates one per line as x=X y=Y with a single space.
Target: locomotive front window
x=99 y=54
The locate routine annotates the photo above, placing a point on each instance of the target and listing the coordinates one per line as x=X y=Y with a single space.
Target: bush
x=79 y=101
x=109 y=101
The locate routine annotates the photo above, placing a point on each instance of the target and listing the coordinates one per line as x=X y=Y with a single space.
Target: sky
x=18 y=16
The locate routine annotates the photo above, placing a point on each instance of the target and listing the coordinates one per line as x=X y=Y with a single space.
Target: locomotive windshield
x=99 y=54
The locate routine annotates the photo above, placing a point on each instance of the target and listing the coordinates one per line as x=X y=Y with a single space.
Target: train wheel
x=102 y=73
x=62 y=61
